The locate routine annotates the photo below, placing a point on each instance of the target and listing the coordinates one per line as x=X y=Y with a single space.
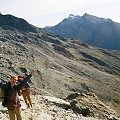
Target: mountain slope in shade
x=10 y=21
x=100 y=32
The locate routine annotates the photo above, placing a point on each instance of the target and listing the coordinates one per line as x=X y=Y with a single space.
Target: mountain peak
x=90 y=29
x=71 y=16
x=85 y=14
x=87 y=17
x=95 y=19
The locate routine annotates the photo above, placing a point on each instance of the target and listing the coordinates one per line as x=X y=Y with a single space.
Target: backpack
x=5 y=102
x=5 y=99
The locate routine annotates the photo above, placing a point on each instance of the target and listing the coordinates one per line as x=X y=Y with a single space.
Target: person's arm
x=25 y=80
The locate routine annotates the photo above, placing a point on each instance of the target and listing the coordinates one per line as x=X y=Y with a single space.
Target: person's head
x=20 y=77
x=13 y=80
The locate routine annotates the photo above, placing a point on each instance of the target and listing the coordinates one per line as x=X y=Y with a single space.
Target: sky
x=41 y=13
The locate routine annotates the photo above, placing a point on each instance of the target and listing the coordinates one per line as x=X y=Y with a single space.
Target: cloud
x=39 y=6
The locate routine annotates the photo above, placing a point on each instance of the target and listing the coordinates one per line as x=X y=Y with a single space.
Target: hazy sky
x=50 y=12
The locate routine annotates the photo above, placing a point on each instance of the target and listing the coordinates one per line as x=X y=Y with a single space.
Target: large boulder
x=90 y=105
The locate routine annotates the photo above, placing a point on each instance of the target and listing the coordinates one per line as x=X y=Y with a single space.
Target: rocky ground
x=52 y=108
x=42 y=110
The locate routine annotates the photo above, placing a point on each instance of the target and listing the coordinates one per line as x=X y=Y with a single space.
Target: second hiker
x=25 y=91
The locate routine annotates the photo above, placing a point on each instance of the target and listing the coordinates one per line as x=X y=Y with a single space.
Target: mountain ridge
x=15 y=22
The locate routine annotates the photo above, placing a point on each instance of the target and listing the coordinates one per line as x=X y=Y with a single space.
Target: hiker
x=25 y=75
x=25 y=91
x=11 y=99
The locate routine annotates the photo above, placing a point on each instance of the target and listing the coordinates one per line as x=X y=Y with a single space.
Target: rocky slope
x=93 y=30
x=62 y=67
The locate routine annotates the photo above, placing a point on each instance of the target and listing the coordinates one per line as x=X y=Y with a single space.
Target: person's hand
x=32 y=72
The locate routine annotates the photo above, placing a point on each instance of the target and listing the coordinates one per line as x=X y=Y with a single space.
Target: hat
x=20 y=76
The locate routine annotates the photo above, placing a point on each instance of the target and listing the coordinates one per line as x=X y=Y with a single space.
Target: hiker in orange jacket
x=11 y=101
x=25 y=91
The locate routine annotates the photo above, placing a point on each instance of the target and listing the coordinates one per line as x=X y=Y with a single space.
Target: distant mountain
x=93 y=30
x=12 y=22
